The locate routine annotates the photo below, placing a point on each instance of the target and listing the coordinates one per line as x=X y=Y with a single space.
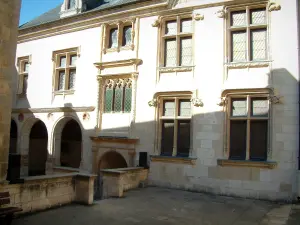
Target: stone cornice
x=247 y=64
x=115 y=140
x=243 y=163
x=118 y=63
x=54 y=109
x=248 y=90
x=173 y=159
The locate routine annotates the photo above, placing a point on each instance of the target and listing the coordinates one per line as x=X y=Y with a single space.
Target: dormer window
x=71 y=4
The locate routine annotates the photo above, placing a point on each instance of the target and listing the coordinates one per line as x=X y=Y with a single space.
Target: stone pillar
x=9 y=20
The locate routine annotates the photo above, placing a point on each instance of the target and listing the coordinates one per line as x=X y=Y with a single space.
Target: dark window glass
x=258 y=139
x=238 y=129
x=61 y=80
x=126 y=36
x=167 y=138
x=183 y=138
x=113 y=38
x=118 y=99
x=109 y=96
x=26 y=67
x=127 y=99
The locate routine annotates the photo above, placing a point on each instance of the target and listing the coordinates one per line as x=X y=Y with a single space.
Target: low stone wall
x=117 y=181
x=42 y=192
x=61 y=169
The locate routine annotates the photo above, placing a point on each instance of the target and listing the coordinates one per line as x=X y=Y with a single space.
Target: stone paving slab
x=158 y=206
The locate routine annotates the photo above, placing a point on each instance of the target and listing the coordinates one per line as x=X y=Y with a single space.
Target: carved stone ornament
x=152 y=103
x=275 y=99
x=156 y=23
x=273 y=6
x=197 y=102
x=86 y=116
x=50 y=116
x=198 y=17
x=222 y=101
x=221 y=13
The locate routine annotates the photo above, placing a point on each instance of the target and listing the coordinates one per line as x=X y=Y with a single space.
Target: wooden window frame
x=176 y=36
x=174 y=118
x=68 y=53
x=248 y=119
x=248 y=28
x=22 y=75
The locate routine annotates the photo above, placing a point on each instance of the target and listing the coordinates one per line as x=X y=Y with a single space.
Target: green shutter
x=108 y=100
x=118 y=99
x=127 y=101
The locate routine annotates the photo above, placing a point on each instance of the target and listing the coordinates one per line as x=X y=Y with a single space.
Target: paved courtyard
x=158 y=206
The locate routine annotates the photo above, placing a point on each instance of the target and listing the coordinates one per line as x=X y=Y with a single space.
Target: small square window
x=239 y=107
x=127 y=36
x=258 y=16
x=113 y=38
x=185 y=107
x=171 y=27
x=26 y=67
x=73 y=60
x=259 y=107
x=62 y=61
x=238 y=18
x=186 y=26
x=169 y=108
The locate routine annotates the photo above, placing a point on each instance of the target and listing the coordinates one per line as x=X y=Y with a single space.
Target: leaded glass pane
x=171 y=27
x=258 y=44
x=239 y=46
x=127 y=99
x=170 y=52
x=127 y=35
x=186 y=53
x=186 y=26
x=109 y=96
x=113 y=38
x=26 y=67
x=118 y=99
x=239 y=107
x=73 y=60
x=62 y=61
x=61 y=80
x=259 y=107
x=72 y=79
x=185 y=107
x=169 y=108
x=258 y=16
x=238 y=18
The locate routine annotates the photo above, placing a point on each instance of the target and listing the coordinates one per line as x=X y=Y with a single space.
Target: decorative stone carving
x=273 y=6
x=152 y=103
x=221 y=13
x=247 y=64
x=275 y=99
x=198 y=17
x=50 y=116
x=86 y=116
x=156 y=23
x=197 y=102
x=175 y=69
x=222 y=101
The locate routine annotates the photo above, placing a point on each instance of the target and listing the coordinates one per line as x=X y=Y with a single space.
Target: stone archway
x=13 y=137
x=112 y=160
x=37 y=154
x=67 y=142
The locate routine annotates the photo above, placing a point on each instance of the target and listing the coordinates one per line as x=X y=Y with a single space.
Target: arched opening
x=71 y=145
x=112 y=160
x=38 y=140
x=13 y=137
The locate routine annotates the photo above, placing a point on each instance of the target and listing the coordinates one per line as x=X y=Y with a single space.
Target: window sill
x=66 y=92
x=175 y=69
x=248 y=64
x=173 y=159
x=114 y=113
x=247 y=163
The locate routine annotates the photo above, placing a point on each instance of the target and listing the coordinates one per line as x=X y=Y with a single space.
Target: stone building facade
x=209 y=89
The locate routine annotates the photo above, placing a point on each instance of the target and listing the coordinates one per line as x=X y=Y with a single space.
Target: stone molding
x=247 y=64
x=273 y=6
x=54 y=109
x=171 y=159
x=175 y=69
x=115 y=140
x=118 y=63
x=198 y=17
x=242 y=163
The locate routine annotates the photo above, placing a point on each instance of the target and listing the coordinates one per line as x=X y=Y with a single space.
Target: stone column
x=9 y=19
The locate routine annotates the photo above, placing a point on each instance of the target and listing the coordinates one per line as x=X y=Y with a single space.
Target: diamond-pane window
x=127 y=36
x=258 y=16
x=258 y=44
x=113 y=38
x=62 y=61
x=239 y=47
x=108 y=102
x=127 y=99
x=259 y=107
x=238 y=18
x=185 y=107
x=186 y=51
x=61 y=80
x=169 y=108
x=171 y=52
x=239 y=107
x=118 y=99
x=72 y=78
x=171 y=27
x=186 y=26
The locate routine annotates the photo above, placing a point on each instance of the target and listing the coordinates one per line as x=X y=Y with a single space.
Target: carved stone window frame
x=56 y=56
x=23 y=74
x=178 y=35
x=227 y=96
x=120 y=25
x=229 y=29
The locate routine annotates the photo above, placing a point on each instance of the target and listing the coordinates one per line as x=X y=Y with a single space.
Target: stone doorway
x=37 y=157
x=71 y=145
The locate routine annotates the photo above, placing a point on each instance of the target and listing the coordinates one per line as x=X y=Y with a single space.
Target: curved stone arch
x=56 y=136
x=123 y=159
